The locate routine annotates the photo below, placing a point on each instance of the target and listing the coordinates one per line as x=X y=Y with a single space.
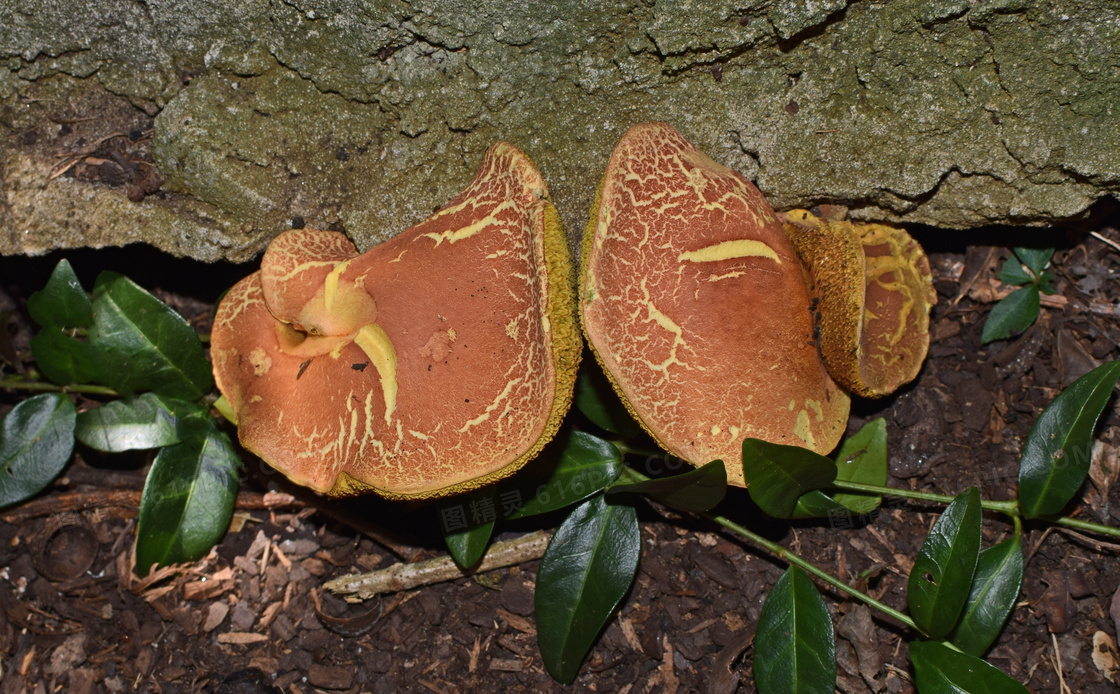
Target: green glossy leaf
x=698 y=490
x=1056 y=455
x=585 y=572
x=467 y=546
x=995 y=588
x=1035 y=258
x=36 y=440
x=188 y=498
x=939 y=669
x=942 y=575
x=64 y=358
x=1046 y=284
x=1012 y=272
x=817 y=504
x=598 y=401
x=62 y=303
x=1013 y=314
x=862 y=458
x=586 y=465
x=794 y=646
x=143 y=344
x=143 y=422
x=778 y=475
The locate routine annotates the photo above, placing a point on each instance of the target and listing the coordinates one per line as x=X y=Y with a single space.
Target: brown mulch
x=252 y=617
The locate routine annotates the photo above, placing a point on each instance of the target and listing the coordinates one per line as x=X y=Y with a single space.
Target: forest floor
x=253 y=616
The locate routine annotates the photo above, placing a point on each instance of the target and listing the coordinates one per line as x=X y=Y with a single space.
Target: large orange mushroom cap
x=694 y=303
x=436 y=362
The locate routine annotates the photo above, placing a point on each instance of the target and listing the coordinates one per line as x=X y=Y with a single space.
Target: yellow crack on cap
x=379 y=348
x=736 y=248
x=330 y=285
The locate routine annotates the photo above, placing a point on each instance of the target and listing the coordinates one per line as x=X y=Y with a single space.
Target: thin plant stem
x=44 y=387
x=788 y=556
x=1009 y=508
x=792 y=558
x=1067 y=522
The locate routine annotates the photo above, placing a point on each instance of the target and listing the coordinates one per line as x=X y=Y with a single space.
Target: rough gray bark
x=366 y=116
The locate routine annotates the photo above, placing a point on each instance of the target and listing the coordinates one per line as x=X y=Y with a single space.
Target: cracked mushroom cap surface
x=694 y=303
x=436 y=362
x=874 y=292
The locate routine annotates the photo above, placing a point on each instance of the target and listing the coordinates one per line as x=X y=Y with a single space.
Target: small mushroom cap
x=874 y=291
x=693 y=301
x=434 y=363
x=295 y=268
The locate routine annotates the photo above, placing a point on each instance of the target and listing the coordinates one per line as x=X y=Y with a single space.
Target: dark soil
x=245 y=619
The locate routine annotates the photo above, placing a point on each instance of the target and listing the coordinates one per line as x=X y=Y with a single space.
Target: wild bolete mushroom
x=436 y=362
x=693 y=301
x=874 y=291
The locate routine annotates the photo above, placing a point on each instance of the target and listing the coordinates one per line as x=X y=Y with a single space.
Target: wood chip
x=725 y=672
x=238 y=521
x=264 y=556
x=277 y=499
x=157 y=593
x=506 y=665
x=866 y=550
x=241 y=637
x=1104 y=470
x=205 y=590
x=699 y=627
x=1105 y=657
x=474 y=653
x=152 y=578
x=733 y=621
x=25 y=665
x=431 y=687
x=215 y=615
x=270 y=613
x=330 y=677
x=668 y=674
x=509 y=643
x=902 y=564
x=314 y=566
x=631 y=636
x=857 y=628
x=281 y=557
x=517 y=622
x=265 y=664
x=256 y=549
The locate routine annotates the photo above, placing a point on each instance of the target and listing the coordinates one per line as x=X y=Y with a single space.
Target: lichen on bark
x=363 y=116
